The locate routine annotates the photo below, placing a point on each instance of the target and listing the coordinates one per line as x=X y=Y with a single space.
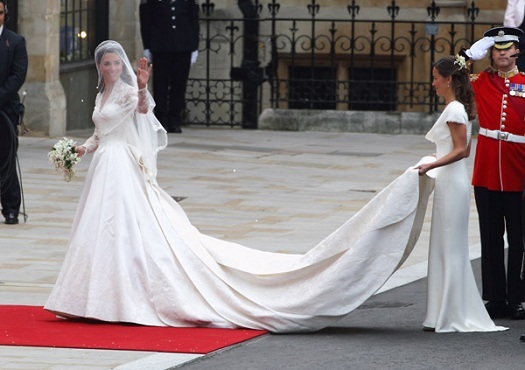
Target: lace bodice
x=113 y=118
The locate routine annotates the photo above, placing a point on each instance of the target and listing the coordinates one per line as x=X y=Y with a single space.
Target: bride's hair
x=110 y=46
x=452 y=66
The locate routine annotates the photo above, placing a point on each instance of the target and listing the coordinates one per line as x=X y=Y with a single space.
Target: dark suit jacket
x=167 y=26
x=13 y=71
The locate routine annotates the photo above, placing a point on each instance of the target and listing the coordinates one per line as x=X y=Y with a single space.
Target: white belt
x=502 y=135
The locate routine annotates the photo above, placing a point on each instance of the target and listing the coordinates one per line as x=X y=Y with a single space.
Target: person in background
x=515 y=17
x=499 y=170
x=170 y=36
x=13 y=71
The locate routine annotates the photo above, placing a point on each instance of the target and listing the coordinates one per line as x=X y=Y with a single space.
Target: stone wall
x=45 y=100
x=39 y=23
x=411 y=123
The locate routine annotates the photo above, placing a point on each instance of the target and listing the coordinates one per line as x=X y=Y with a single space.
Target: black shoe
x=175 y=129
x=174 y=124
x=522 y=338
x=497 y=309
x=11 y=219
x=516 y=312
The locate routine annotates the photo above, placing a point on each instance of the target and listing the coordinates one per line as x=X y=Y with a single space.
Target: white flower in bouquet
x=64 y=157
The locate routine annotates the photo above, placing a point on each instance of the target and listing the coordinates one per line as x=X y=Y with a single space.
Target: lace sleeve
x=91 y=144
x=143 y=105
x=130 y=99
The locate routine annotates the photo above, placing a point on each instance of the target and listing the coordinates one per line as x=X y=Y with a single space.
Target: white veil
x=151 y=136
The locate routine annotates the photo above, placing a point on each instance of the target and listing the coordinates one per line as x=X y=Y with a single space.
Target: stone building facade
x=61 y=98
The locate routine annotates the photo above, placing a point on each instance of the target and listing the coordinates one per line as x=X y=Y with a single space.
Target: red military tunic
x=500 y=165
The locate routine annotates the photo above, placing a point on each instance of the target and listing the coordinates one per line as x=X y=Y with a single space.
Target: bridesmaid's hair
x=460 y=74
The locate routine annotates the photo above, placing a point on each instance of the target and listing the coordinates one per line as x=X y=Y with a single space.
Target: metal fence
x=268 y=59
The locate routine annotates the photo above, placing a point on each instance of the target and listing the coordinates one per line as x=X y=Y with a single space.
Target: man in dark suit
x=13 y=70
x=170 y=35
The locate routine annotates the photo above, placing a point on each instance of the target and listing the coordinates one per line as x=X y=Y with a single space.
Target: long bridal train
x=135 y=257
x=144 y=262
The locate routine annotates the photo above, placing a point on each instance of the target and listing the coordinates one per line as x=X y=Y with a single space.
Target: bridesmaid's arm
x=461 y=148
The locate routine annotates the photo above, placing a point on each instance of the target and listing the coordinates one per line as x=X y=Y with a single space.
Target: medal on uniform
x=517 y=90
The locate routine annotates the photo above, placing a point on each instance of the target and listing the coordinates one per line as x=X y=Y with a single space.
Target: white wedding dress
x=135 y=257
x=453 y=299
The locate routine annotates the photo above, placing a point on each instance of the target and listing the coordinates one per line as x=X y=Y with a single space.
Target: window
x=312 y=88
x=83 y=24
x=372 y=89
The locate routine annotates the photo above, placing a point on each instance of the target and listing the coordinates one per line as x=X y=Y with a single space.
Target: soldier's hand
x=147 y=54
x=194 y=56
x=479 y=49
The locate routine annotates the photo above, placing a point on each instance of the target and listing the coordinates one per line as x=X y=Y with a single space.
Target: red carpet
x=33 y=326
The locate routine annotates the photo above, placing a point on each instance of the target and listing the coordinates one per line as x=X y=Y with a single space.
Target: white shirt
x=514 y=13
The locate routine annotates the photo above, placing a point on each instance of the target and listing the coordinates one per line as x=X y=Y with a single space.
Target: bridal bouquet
x=64 y=157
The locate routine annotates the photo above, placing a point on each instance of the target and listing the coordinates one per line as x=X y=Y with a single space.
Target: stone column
x=124 y=27
x=39 y=23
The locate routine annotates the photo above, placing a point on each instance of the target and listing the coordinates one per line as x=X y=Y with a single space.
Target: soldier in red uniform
x=499 y=170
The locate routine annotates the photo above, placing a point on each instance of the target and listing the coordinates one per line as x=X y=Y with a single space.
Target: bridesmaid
x=453 y=299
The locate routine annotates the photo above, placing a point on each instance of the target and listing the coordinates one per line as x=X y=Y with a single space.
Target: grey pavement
x=277 y=191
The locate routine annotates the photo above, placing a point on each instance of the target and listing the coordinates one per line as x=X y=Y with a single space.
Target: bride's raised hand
x=143 y=72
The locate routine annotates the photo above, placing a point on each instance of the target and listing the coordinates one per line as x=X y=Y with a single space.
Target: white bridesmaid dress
x=453 y=299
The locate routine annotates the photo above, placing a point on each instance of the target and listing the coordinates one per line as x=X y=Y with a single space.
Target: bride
x=135 y=257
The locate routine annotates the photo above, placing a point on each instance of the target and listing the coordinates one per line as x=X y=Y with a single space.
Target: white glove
x=148 y=55
x=479 y=49
x=194 y=56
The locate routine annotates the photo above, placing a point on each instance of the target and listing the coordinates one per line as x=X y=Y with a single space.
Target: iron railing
x=309 y=61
